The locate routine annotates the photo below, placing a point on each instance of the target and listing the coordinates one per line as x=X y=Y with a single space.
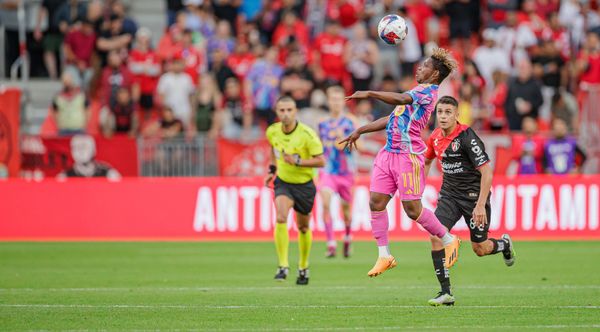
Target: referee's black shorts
x=450 y=209
x=303 y=194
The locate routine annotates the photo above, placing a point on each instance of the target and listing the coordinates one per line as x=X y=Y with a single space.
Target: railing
x=589 y=129
x=177 y=157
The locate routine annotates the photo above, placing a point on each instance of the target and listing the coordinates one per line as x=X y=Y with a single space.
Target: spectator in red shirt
x=328 y=54
x=115 y=76
x=588 y=61
x=560 y=36
x=79 y=47
x=347 y=12
x=420 y=13
x=145 y=66
x=290 y=26
x=170 y=43
x=530 y=17
x=195 y=62
x=241 y=60
x=497 y=98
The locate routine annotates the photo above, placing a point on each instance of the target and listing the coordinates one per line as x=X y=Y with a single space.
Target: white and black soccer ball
x=392 y=29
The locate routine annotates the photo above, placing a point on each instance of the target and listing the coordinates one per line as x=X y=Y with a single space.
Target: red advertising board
x=10 y=108
x=241 y=209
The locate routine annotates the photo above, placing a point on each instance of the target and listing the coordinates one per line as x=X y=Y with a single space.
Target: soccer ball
x=392 y=29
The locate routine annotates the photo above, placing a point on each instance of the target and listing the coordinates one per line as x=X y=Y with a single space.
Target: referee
x=465 y=192
x=296 y=150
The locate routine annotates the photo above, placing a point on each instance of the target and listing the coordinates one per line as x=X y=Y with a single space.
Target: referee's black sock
x=438 y=257
x=499 y=246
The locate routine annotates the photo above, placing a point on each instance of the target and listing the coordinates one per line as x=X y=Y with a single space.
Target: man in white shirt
x=176 y=90
x=489 y=57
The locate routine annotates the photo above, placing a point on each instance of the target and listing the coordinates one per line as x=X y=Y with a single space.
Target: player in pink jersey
x=338 y=174
x=399 y=166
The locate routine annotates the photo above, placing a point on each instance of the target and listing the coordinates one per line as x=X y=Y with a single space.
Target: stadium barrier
x=537 y=208
x=177 y=157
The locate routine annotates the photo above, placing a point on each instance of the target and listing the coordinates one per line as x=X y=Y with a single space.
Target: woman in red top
x=145 y=67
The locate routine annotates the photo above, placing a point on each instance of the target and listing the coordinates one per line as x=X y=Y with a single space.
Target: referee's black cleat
x=282 y=273
x=509 y=252
x=302 y=277
x=442 y=298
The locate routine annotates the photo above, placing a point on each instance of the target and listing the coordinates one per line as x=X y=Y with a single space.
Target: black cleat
x=282 y=273
x=509 y=252
x=302 y=277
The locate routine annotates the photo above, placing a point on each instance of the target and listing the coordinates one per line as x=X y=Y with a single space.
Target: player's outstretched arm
x=392 y=98
x=377 y=125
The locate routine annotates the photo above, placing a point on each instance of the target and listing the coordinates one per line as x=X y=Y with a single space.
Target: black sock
x=348 y=229
x=499 y=246
x=441 y=271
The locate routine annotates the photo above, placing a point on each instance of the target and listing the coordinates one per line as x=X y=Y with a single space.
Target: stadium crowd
x=524 y=65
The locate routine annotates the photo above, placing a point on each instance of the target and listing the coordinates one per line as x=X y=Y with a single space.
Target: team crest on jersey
x=455 y=145
x=399 y=110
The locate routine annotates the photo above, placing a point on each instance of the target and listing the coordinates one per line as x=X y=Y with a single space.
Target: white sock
x=447 y=239
x=384 y=251
x=332 y=243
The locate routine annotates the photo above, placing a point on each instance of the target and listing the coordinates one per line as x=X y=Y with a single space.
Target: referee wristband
x=272 y=169
x=298 y=160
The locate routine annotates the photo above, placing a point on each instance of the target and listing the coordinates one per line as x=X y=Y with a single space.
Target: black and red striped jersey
x=461 y=154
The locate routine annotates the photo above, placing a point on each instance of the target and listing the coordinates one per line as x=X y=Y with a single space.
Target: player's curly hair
x=443 y=62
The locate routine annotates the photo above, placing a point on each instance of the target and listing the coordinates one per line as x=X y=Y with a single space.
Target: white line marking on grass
x=378 y=328
x=183 y=306
x=282 y=288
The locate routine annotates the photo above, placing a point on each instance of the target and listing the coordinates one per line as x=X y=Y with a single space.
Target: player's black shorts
x=302 y=194
x=449 y=210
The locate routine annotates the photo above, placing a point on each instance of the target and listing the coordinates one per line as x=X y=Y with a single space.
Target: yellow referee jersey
x=302 y=141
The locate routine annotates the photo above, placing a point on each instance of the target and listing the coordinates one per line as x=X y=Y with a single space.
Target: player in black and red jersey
x=467 y=180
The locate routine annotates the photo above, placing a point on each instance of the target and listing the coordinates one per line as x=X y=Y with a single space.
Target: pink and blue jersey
x=407 y=122
x=337 y=162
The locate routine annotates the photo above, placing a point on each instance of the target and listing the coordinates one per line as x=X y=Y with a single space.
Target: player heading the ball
x=399 y=166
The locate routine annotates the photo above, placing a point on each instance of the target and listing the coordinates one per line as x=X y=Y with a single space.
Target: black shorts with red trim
x=450 y=209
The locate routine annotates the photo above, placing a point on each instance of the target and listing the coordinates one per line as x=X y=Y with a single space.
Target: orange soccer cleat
x=451 y=252
x=383 y=264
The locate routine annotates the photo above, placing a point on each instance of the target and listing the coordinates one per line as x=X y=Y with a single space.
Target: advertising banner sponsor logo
x=242 y=209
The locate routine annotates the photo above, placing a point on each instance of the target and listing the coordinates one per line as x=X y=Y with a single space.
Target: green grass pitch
x=229 y=286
